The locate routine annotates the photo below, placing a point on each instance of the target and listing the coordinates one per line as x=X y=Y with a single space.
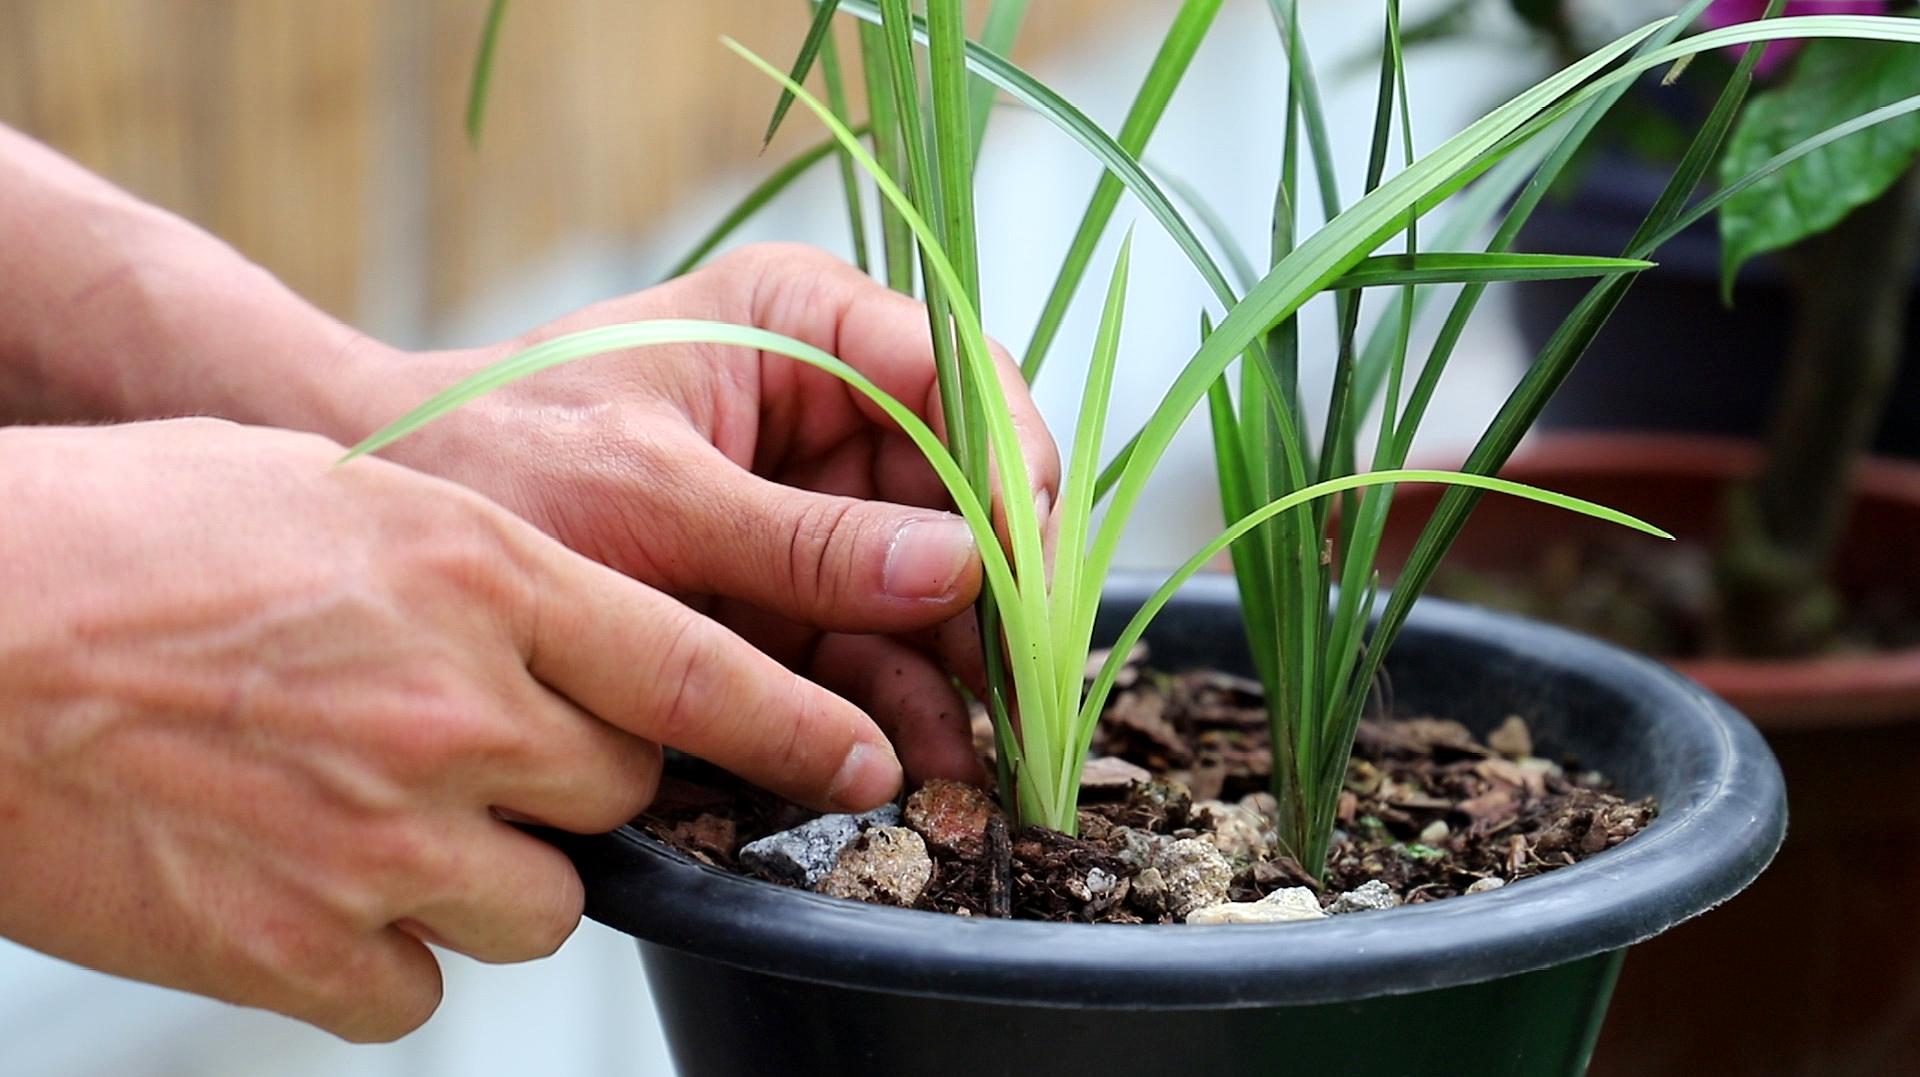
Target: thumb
x=837 y=563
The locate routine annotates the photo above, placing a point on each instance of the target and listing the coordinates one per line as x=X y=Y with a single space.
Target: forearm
x=111 y=309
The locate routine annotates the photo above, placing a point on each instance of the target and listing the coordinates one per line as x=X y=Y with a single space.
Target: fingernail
x=927 y=557
x=869 y=777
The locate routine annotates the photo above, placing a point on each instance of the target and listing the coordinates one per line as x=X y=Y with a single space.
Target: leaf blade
x=1831 y=81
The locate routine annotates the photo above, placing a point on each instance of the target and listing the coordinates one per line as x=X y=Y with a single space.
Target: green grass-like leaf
x=482 y=79
x=1002 y=29
x=817 y=33
x=1103 y=683
x=1479 y=267
x=849 y=172
x=1169 y=66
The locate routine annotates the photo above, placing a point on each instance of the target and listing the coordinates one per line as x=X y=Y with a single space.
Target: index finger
x=639 y=660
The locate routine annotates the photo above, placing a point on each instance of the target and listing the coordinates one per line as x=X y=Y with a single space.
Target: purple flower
x=1731 y=12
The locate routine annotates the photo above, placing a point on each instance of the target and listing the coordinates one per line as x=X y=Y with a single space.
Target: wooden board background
x=323 y=137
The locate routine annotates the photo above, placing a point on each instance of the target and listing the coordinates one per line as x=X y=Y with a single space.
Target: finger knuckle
x=399 y=860
x=554 y=920
x=437 y=721
x=463 y=549
x=355 y=987
x=688 y=650
x=806 y=733
x=401 y=1002
x=619 y=801
x=821 y=541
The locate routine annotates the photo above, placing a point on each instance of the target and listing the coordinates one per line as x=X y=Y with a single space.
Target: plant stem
x=1851 y=288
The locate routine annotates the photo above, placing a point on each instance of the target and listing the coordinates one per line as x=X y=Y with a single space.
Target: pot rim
x=1719 y=827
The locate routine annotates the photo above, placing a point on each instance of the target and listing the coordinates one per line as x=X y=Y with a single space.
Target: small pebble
x=1261 y=804
x=1133 y=846
x=1196 y=875
x=1238 y=833
x=1149 y=892
x=806 y=853
x=1435 y=832
x=952 y=816
x=1370 y=896
x=1481 y=886
x=1281 y=906
x=1538 y=770
x=1100 y=882
x=1512 y=739
x=888 y=865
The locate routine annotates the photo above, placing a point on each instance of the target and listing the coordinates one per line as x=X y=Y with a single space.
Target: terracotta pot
x=1735 y=356
x=1817 y=969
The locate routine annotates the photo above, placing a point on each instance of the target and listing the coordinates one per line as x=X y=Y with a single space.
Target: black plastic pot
x=752 y=978
x=1674 y=357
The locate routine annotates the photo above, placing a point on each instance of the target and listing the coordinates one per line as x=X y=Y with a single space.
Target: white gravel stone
x=1370 y=896
x=1279 y=907
x=1196 y=875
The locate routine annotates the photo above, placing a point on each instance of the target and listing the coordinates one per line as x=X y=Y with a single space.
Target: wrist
x=115 y=310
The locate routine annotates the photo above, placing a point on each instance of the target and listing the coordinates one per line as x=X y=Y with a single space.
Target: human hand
x=265 y=715
x=761 y=489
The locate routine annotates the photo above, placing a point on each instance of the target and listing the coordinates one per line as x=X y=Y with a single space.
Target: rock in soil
x=1512 y=739
x=1281 y=906
x=803 y=855
x=1370 y=896
x=1149 y=892
x=1195 y=874
x=1239 y=833
x=1134 y=847
x=1426 y=812
x=952 y=816
x=887 y=865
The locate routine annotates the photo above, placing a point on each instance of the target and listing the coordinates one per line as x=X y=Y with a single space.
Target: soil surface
x=1658 y=601
x=1182 y=763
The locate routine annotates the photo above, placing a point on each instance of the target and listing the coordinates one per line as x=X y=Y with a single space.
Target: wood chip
x=1111 y=772
x=1145 y=713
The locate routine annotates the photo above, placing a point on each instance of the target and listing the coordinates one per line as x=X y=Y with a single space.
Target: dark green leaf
x=1831 y=82
x=849 y=172
x=1480 y=267
x=817 y=32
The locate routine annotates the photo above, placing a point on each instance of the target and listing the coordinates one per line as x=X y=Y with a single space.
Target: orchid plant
x=1314 y=651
